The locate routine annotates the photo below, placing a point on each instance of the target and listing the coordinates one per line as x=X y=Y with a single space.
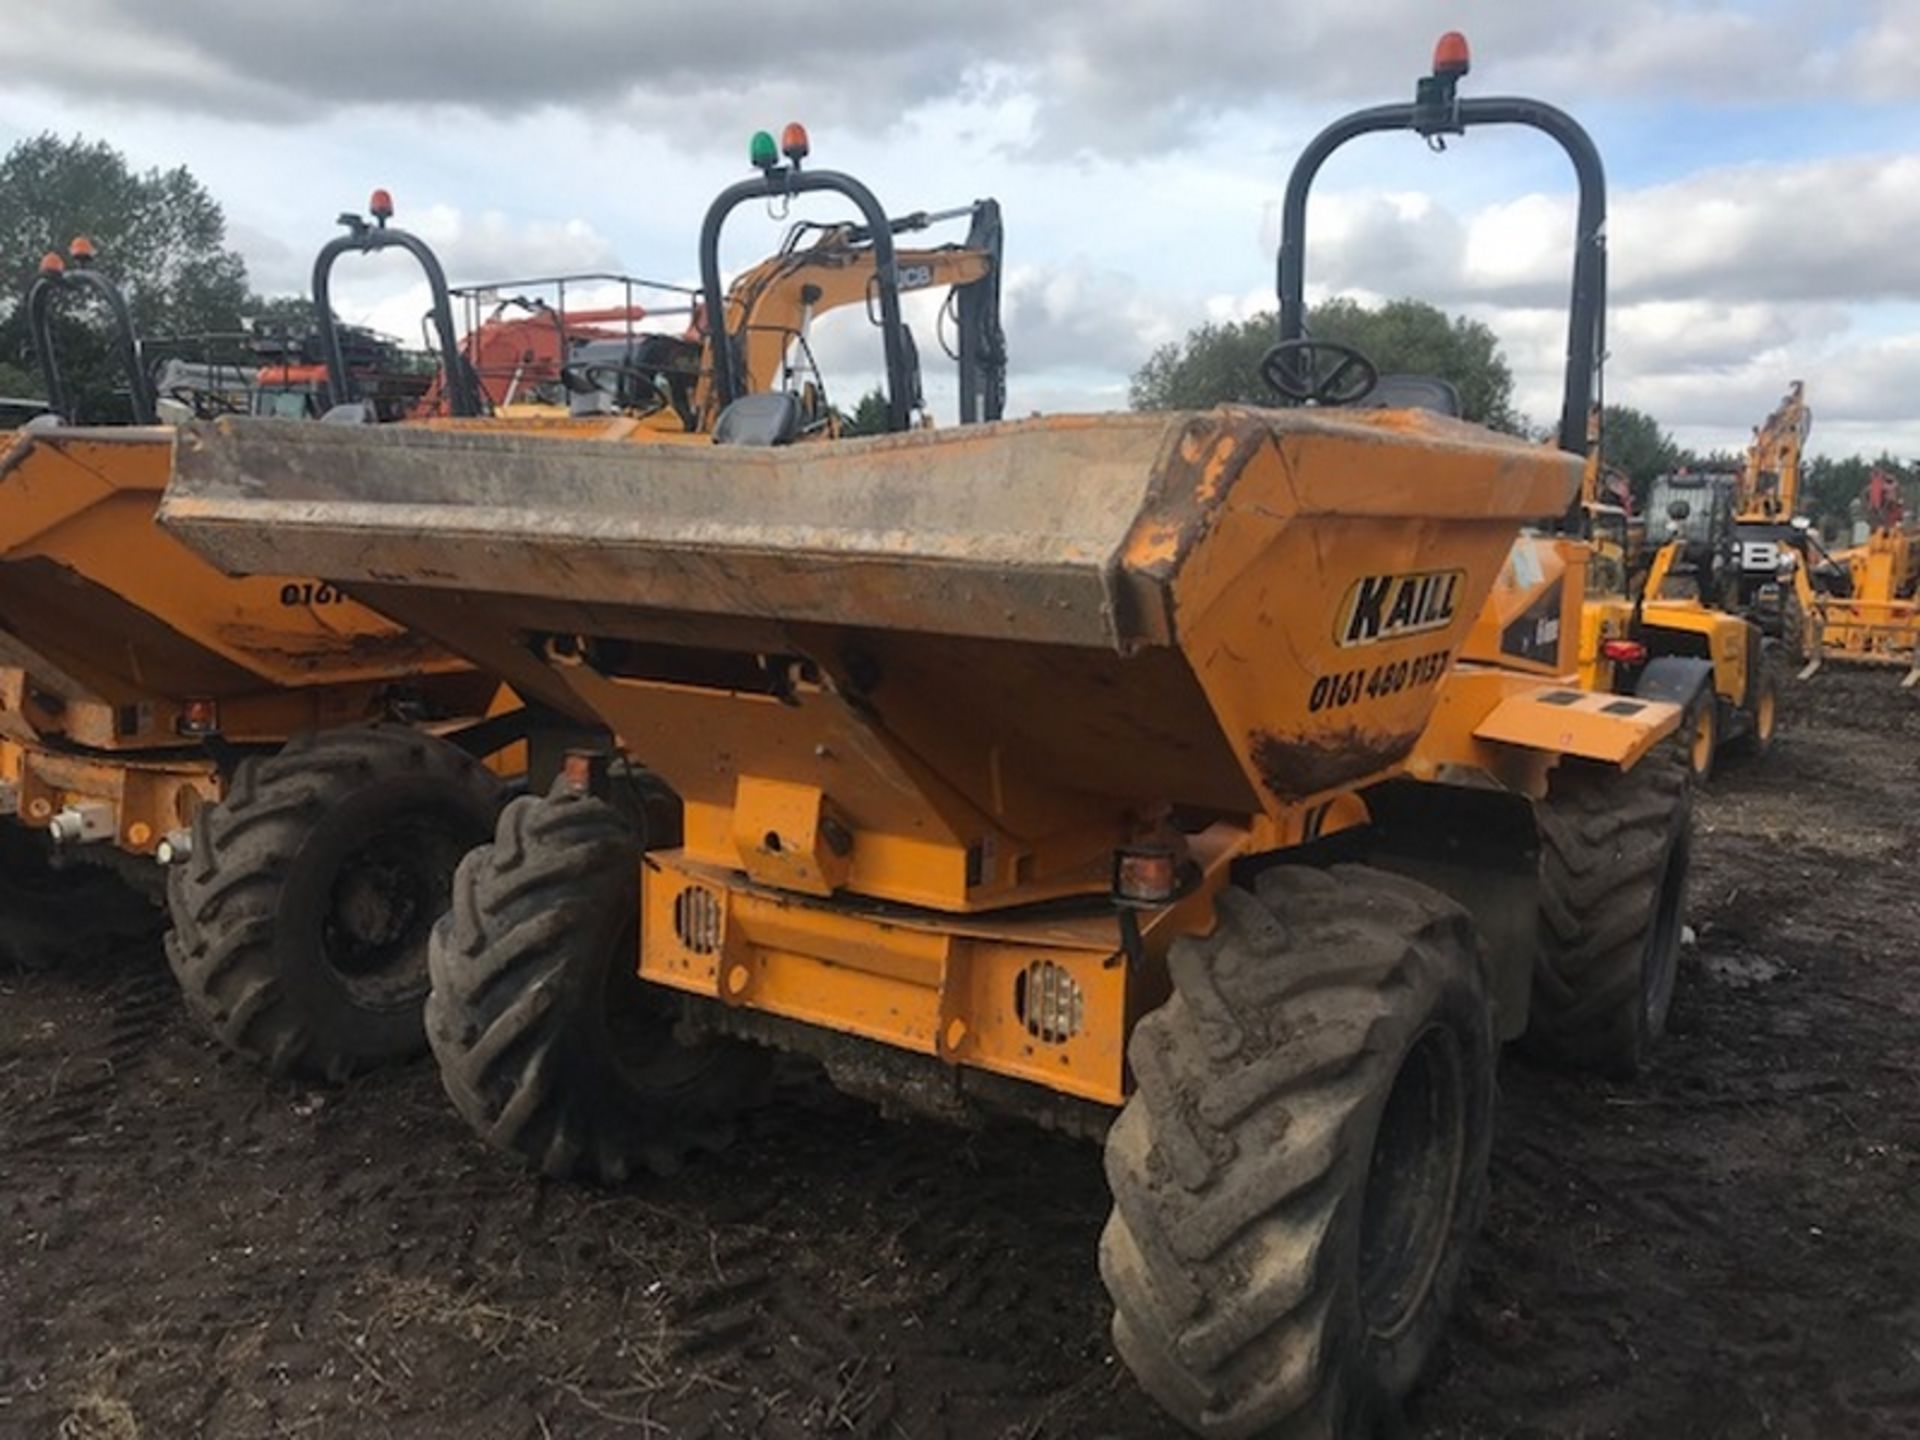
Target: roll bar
x=1435 y=113
x=57 y=280
x=365 y=238
x=777 y=181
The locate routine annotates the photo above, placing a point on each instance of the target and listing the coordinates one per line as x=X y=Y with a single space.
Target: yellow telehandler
x=1664 y=629
x=1119 y=771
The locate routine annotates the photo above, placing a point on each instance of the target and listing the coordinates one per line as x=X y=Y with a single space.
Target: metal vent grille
x=1049 y=1002
x=696 y=920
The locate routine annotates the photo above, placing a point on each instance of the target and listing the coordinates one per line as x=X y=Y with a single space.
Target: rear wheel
x=1303 y=1163
x=550 y=1044
x=53 y=914
x=1614 y=856
x=300 y=919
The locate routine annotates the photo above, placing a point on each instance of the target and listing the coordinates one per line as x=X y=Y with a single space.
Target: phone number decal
x=1350 y=687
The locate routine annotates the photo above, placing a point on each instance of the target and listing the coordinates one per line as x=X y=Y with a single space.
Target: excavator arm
x=1770 y=487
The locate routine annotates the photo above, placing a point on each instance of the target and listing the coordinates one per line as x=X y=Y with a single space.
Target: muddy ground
x=1729 y=1248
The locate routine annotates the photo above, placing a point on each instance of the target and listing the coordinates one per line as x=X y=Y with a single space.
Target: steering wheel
x=1319 y=372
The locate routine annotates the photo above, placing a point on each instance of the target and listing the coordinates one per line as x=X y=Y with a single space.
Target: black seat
x=1414 y=392
x=772 y=418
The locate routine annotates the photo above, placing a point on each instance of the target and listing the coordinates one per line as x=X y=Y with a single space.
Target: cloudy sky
x=1763 y=155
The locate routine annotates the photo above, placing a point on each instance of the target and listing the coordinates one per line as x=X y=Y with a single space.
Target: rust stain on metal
x=1217 y=471
x=1191 y=485
x=1293 y=769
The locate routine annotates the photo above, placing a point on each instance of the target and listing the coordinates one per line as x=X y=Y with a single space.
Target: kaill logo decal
x=1386 y=607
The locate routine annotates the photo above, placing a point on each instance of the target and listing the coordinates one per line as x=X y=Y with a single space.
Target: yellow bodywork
x=1618 y=608
x=1769 y=487
x=1727 y=640
x=110 y=628
x=1879 y=622
x=915 y=690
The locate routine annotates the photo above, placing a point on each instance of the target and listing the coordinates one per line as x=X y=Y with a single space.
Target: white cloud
x=1139 y=146
x=1140 y=74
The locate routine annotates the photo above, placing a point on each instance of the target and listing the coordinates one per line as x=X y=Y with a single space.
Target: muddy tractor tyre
x=1614 y=853
x=301 y=915
x=550 y=1045
x=1303 y=1163
x=1796 y=631
x=54 y=915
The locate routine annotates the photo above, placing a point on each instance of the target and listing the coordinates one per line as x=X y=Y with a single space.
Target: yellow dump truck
x=1118 y=771
x=311 y=768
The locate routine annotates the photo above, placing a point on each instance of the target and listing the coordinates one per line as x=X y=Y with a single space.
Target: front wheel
x=1763 y=709
x=1614 y=857
x=300 y=919
x=1303 y=1163
x=550 y=1044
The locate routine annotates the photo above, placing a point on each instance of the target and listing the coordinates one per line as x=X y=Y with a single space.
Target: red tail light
x=199 y=717
x=1145 y=875
x=1624 y=652
x=584 y=772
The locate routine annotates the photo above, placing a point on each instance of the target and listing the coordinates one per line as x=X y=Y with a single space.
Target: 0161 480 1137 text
x=1350 y=687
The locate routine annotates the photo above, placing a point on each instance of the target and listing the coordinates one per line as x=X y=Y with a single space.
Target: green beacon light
x=762 y=151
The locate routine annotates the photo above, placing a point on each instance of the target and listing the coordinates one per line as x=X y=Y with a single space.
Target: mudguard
x=1678 y=679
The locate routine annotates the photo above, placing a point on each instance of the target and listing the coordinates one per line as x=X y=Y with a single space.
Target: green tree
x=1632 y=442
x=1219 y=362
x=869 y=417
x=158 y=234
